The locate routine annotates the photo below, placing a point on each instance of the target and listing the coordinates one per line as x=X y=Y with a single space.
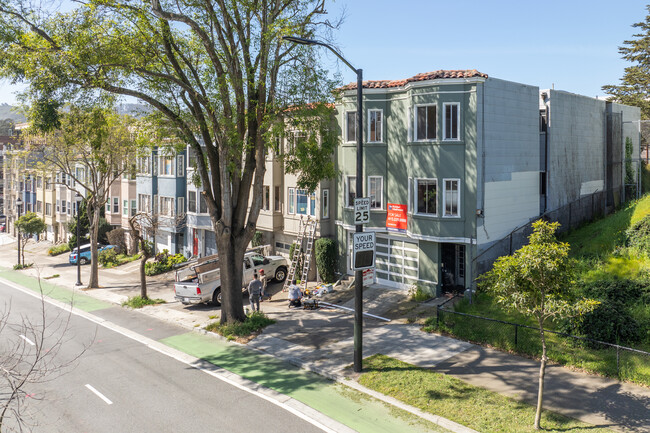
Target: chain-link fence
x=572 y=215
x=624 y=363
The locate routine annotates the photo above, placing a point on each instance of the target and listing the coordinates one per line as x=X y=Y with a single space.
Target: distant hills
x=7 y=113
x=10 y=111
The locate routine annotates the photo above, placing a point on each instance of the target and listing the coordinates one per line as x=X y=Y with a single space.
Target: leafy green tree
x=93 y=146
x=537 y=281
x=217 y=75
x=635 y=84
x=29 y=225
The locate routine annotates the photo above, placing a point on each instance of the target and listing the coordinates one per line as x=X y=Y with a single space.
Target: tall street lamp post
x=358 y=275
x=19 y=203
x=77 y=199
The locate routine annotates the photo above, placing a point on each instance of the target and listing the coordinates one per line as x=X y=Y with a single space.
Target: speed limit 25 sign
x=361 y=210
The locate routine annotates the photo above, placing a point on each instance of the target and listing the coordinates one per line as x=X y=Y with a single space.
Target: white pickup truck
x=201 y=282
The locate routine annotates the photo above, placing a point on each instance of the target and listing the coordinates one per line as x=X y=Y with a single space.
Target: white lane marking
x=301 y=410
x=98 y=394
x=27 y=340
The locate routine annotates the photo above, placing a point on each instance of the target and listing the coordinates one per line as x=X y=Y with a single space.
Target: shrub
x=21 y=266
x=294 y=247
x=255 y=322
x=116 y=237
x=163 y=262
x=417 y=294
x=58 y=249
x=610 y=322
x=258 y=239
x=139 y=302
x=326 y=259
x=108 y=258
x=638 y=235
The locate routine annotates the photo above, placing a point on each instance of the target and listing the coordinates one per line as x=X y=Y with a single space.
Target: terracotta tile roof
x=384 y=84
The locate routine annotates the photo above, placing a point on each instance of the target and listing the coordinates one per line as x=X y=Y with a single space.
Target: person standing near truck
x=264 y=281
x=254 y=292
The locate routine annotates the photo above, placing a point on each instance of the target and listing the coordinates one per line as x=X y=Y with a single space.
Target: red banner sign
x=396 y=217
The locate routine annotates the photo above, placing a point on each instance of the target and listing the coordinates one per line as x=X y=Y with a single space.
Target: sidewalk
x=322 y=341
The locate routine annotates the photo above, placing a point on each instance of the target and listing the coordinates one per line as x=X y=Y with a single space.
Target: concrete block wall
x=577 y=146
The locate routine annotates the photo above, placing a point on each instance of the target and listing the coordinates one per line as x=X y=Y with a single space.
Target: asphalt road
x=120 y=385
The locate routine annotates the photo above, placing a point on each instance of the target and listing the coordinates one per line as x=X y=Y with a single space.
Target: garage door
x=397 y=261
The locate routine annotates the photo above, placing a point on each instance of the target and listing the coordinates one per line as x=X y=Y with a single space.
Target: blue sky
x=571 y=44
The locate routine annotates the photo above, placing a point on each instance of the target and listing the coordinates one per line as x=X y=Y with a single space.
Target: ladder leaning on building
x=306 y=229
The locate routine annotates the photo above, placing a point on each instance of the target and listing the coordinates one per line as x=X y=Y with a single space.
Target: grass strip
x=466 y=404
x=348 y=406
x=254 y=323
x=139 y=302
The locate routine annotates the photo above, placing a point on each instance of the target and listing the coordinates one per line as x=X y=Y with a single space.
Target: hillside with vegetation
x=9 y=112
x=611 y=258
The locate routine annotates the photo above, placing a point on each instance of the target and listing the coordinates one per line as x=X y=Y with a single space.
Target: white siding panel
x=592 y=187
x=509 y=204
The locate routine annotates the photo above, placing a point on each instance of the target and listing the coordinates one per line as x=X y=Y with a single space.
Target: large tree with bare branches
x=216 y=73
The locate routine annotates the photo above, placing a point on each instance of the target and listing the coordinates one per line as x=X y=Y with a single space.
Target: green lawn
x=466 y=404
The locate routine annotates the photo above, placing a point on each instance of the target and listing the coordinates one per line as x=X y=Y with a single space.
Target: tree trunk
x=94 y=234
x=231 y=261
x=143 y=275
x=542 y=371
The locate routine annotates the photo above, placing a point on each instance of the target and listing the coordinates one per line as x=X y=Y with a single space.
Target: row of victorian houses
x=453 y=162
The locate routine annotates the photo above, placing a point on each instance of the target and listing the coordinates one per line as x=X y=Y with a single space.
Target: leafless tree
x=30 y=355
x=145 y=226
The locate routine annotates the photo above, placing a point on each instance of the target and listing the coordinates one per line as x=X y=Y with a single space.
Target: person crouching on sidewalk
x=295 y=294
x=254 y=293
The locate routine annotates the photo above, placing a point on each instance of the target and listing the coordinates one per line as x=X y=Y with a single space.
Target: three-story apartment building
x=457 y=158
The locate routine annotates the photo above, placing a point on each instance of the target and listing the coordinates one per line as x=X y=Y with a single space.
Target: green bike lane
x=335 y=400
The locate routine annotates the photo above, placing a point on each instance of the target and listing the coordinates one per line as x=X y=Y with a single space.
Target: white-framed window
x=108 y=205
x=125 y=208
x=144 y=203
x=166 y=206
x=192 y=158
x=80 y=174
x=350 y=190
x=63 y=207
x=376 y=192
x=451 y=198
x=191 y=201
x=116 y=205
x=180 y=165
x=203 y=204
x=426 y=197
x=425 y=122
x=48 y=209
x=295 y=138
x=266 y=197
x=451 y=122
x=69 y=208
x=277 y=198
x=350 y=126
x=39 y=206
x=291 y=201
x=58 y=206
x=302 y=202
x=166 y=165
x=144 y=165
x=375 y=131
x=134 y=208
x=325 y=203
x=180 y=205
